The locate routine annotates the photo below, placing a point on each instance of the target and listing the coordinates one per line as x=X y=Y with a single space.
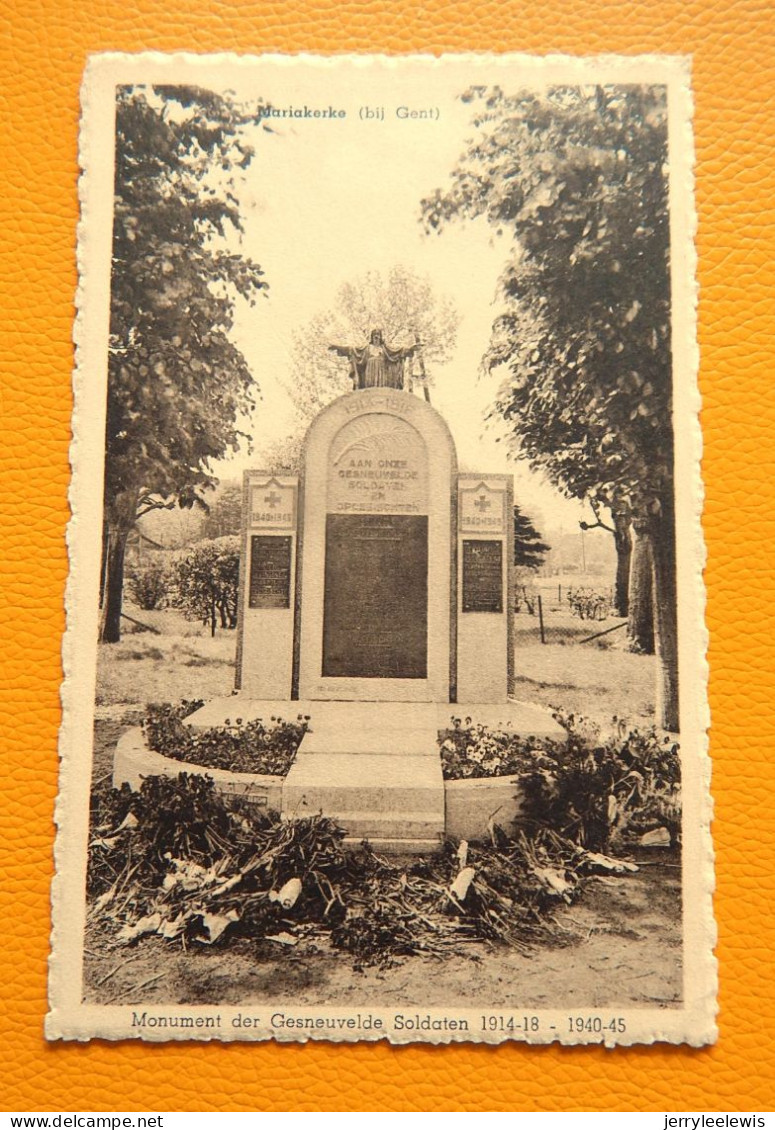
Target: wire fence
x=562 y=613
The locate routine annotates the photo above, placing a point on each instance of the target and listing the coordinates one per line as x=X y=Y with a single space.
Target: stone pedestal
x=267 y=588
x=485 y=609
x=376 y=769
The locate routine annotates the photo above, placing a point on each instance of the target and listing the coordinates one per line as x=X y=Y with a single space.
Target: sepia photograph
x=385 y=686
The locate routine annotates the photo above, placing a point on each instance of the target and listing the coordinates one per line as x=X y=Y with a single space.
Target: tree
x=224 y=515
x=401 y=304
x=176 y=382
x=205 y=582
x=577 y=178
x=529 y=550
x=621 y=530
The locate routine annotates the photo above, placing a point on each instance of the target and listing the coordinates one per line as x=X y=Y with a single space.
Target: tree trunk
x=120 y=518
x=640 y=624
x=666 y=616
x=623 y=543
x=104 y=562
x=114 y=586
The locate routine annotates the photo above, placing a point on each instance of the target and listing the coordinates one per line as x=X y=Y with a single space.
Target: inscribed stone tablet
x=378 y=465
x=482 y=576
x=270 y=572
x=376 y=596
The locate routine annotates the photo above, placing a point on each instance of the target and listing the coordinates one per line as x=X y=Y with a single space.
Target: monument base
x=375 y=767
x=399 y=718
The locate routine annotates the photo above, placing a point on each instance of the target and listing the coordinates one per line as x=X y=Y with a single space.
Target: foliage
x=401 y=304
x=524 y=594
x=224 y=513
x=597 y=791
x=148 y=585
x=469 y=750
x=529 y=550
x=174 y=860
x=241 y=747
x=206 y=581
x=592 y=790
x=577 y=178
x=587 y=604
x=177 y=384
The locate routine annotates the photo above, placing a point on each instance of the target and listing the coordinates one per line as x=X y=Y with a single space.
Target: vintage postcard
x=385 y=710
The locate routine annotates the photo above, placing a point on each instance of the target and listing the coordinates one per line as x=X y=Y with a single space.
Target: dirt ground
x=620 y=945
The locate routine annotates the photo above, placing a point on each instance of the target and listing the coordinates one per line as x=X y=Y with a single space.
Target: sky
x=326 y=200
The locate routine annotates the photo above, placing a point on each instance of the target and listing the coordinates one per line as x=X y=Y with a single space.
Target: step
x=352 y=782
x=405 y=825
x=375 y=740
x=392 y=718
x=369 y=717
x=395 y=846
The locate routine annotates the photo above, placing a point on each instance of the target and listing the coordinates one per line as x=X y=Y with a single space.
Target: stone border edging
x=469 y=804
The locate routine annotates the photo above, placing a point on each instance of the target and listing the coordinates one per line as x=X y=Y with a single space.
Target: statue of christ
x=375 y=365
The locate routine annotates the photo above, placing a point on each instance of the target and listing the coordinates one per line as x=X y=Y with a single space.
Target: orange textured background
x=44 y=47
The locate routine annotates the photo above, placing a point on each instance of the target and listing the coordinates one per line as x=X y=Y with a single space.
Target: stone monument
x=376 y=597
x=381 y=574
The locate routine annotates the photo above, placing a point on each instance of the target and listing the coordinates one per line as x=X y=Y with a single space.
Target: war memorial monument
x=376 y=596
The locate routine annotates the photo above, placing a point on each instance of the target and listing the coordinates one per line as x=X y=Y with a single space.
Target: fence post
x=559 y=594
x=541 y=618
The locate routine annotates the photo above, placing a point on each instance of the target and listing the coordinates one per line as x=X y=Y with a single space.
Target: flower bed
x=469 y=750
x=597 y=791
x=253 y=747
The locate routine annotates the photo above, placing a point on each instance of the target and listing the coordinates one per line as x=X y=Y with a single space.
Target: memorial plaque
x=375 y=618
x=378 y=464
x=270 y=572
x=482 y=576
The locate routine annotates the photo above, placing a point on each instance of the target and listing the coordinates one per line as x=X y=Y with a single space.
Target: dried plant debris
x=176 y=861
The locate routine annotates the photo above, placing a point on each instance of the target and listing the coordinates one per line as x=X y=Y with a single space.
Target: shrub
x=149 y=585
x=206 y=578
x=596 y=792
x=593 y=791
x=588 y=604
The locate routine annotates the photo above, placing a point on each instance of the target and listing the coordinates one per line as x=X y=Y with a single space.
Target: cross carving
x=482 y=503
x=272 y=499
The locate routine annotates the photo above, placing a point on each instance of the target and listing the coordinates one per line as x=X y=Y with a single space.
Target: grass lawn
x=598 y=682
x=598 y=679
x=183 y=661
